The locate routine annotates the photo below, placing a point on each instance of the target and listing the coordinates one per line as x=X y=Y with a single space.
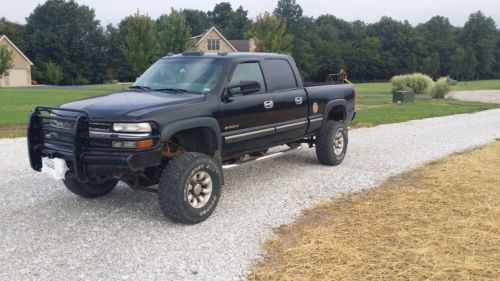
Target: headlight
x=132 y=127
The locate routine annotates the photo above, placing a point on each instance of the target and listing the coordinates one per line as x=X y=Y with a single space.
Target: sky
x=415 y=11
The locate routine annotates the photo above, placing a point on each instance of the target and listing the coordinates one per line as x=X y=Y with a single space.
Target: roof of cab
x=223 y=55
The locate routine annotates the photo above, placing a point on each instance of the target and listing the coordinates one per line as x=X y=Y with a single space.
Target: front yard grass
x=439 y=222
x=375 y=110
x=385 y=88
x=17 y=103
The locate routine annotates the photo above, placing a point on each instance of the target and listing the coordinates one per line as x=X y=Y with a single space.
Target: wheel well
x=337 y=113
x=201 y=139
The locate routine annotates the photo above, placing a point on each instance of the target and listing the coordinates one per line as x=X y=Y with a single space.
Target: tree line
x=68 y=44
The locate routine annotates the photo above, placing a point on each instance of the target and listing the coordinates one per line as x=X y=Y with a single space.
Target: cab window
x=248 y=71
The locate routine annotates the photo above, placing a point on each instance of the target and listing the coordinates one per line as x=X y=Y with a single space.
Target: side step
x=265 y=157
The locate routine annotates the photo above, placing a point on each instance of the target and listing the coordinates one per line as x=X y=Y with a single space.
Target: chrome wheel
x=338 y=142
x=199 y=189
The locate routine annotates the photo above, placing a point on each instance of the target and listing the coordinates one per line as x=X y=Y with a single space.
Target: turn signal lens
x=144 y=143
x=133 y=144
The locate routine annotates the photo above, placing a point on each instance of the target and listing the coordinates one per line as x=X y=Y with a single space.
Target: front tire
x=189 y=188
x=331 y=144
x=87 y=189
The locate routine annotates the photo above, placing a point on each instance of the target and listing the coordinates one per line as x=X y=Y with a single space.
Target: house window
x=213 y=44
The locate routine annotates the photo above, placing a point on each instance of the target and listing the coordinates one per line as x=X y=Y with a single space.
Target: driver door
x=247 y=119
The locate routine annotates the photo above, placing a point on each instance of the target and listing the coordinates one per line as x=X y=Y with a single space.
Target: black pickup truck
x=185 y=120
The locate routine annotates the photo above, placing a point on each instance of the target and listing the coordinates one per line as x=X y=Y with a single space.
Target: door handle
x=268 y=104
x=298 y=100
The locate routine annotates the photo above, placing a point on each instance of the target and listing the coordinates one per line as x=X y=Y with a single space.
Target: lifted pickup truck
x=184 y=121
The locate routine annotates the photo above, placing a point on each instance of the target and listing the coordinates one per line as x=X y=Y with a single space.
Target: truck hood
x=131 y=104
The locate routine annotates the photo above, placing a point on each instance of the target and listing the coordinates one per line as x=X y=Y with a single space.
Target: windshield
x=194 y=75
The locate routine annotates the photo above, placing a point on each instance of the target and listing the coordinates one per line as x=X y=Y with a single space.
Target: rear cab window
x=279 y=75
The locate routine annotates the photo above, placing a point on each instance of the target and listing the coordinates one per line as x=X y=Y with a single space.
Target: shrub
x=80 y=80
x=439 y=89
x=418 y=83
x=53 y=72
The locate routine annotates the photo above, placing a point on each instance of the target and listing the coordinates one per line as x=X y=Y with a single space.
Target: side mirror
x=245 y=88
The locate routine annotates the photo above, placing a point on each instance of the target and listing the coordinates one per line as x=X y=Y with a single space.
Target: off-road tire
x=325 y=143
x=175 y=183
x=89 y=190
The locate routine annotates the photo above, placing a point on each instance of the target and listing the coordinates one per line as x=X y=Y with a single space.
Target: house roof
x=241 y=45
x=202 y=36
x=2 y=37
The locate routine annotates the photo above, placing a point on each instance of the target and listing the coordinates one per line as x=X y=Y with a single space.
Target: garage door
x=18 y=77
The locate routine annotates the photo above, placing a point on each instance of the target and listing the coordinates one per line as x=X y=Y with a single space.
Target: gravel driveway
x=47 y=233
x=492 y=96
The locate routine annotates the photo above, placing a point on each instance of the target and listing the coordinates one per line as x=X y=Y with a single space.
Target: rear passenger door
x=247 y=119
x=289 y=98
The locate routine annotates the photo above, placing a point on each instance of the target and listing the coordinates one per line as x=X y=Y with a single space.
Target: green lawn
x=17 y=103
x=373 y=111
x=110 y=87
x=385 y=88
x=373 y=88
x=478 y=85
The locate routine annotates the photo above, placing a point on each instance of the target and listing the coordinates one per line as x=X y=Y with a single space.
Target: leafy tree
x=116 y=64
x=239 y=24
x=54 y=73
x=233 y=24
x=439 y=36
x=69 y=35
x=140 y=44
x=197 y=20
x=458 y=66
x=270 y=35
x=397 y=45
x=14 y=31
x=6 y=61
x=479 y=33
x=497 y=57
x=470 y=64
x=431 y=65
x=289 y=12
x=221 y=17
x=173 y=33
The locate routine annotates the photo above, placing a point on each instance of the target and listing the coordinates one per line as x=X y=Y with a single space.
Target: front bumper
x=74 y=145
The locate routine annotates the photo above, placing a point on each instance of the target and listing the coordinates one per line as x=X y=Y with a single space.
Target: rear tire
x=87 y=189
x=331 y=144
x=189 y=188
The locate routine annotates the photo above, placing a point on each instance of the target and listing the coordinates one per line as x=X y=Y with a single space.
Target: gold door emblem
x=315 y=108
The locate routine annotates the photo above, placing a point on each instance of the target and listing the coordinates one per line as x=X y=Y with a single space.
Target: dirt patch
x=439 y=222
x=12 y=131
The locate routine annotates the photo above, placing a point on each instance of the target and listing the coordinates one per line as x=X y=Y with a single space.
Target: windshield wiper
x=171 y=90
x=144 y=88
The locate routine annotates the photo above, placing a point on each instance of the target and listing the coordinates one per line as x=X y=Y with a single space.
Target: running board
x=265 y=157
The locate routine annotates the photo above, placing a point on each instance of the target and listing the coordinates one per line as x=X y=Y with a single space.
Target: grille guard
x=71 y=142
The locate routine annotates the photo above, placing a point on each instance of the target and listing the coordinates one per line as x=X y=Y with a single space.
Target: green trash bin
x=403 y=97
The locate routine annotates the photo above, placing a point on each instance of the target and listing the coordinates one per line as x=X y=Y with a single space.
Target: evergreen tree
x=173 y=33
x=140 y=45
x=479 y=33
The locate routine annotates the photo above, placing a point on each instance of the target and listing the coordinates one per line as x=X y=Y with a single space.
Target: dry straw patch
x=439 y=222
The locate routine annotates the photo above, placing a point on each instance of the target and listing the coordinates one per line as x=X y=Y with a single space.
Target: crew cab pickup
x=188 y=118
